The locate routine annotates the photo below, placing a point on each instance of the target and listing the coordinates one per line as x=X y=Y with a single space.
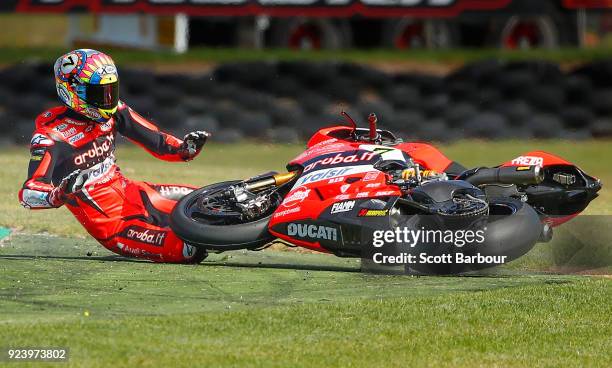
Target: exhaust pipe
x=519 y=175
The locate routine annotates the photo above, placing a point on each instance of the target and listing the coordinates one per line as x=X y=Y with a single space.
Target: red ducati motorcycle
x=352 y=182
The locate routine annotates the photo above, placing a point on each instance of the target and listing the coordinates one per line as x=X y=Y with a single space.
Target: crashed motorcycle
x=353 y=182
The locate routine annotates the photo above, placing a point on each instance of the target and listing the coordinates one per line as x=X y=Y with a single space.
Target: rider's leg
x=144 y=231
x=143 y=240
x=171 y=191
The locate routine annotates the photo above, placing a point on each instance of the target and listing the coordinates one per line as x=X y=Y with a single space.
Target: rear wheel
x=512 y=229
x=206 y=218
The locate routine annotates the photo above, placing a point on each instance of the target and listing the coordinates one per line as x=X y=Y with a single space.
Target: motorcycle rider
x=72 y=163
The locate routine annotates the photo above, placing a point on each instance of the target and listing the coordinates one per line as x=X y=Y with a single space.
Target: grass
x=9 y=55
x=287 y=309
x=284 y=309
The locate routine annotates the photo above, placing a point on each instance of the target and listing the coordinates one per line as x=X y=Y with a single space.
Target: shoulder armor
x=40 y=140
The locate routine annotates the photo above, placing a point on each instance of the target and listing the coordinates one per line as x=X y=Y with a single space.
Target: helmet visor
x=103 y=96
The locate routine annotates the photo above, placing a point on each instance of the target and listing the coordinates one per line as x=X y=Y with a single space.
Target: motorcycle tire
x=248 y=235
x=512 y=230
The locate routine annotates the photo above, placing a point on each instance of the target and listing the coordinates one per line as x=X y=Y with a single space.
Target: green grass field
x=283 y=308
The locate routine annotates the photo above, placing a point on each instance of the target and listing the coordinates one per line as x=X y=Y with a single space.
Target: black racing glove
x=192 y=144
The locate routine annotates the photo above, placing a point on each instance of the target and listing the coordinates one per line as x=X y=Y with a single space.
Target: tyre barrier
x=288 y=100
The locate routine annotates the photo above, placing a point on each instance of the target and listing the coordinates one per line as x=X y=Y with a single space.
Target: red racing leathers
x=127 y=217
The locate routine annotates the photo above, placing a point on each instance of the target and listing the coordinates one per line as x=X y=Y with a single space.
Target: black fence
x=288 y=101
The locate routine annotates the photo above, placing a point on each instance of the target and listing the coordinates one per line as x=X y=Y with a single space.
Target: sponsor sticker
x=325 y=142
x=365 y=212
x=40 y=140
x=336 y=180
x=61 y=127
x=287 y=212
x=371 y=176
x=296 y=197
x=188 y=250
x=37 y=154
x=172 y=190
x=63 y=94
x=75 y=138
x=340 y=159
x=137 y=252
x=340 y=207
x=528 y=161
x=143 y=235
x=384 y=193
x=312 y=232
x=92 y=113
x=106 y=126
x=99 y=171
x=74 y=122
x=95 y=152
x=106 y=69
x=331 y=173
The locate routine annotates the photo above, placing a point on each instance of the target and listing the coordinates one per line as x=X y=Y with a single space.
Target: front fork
x=265 y=182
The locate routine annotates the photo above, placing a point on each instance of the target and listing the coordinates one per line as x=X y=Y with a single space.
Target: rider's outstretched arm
x=162 y=145
x=38 y=191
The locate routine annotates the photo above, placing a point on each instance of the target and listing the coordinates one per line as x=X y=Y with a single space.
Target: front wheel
x=203 y=219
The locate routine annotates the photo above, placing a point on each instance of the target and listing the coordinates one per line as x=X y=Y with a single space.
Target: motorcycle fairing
x=338 y=228
x=566 y=190
x=329 y=140
x=335 y=168
x=537 y=158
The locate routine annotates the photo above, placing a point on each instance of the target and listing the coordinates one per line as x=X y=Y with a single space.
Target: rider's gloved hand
x=72 y=183
x=192 y=144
